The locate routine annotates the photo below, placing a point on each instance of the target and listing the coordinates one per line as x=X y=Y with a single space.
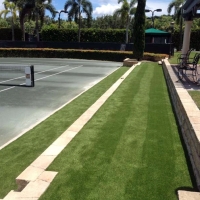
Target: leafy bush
x=87 y=35
x=118 y=56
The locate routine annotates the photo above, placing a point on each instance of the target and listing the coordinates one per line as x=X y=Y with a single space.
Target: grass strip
x=130 y=149
x=18 y=155
x=196 y=97
x=173 y=59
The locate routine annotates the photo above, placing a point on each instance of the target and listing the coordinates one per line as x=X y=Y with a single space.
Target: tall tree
x=10 y=8
x=177 y=6
x=76 y=7
x=125 y=12
x=34 y=9
x=139 y=30
x=37 y=12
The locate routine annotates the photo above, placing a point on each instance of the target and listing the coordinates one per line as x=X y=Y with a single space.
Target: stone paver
x=187 y=195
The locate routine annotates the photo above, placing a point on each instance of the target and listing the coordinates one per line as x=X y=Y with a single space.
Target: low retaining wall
x=188 y=116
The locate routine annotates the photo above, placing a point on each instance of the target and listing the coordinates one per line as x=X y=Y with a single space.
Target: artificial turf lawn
x=196 y=97
x=130 y=149
x=173 y=59
x=21 y=153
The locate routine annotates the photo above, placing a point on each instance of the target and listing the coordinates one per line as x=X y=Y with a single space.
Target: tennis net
x=17 y=75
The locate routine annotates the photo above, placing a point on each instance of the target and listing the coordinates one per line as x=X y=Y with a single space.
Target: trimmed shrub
x=118 y=56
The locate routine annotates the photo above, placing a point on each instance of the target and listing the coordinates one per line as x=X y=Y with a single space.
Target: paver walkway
x=187 y=80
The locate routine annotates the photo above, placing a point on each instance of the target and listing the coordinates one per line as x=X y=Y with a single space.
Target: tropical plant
x=75 y=8
x=10 y=8
x=35 y=10
x=107 y=22
x=125 y=12
x=3 y=23
x=177 y=6
x=37 y=13
x=139 y=30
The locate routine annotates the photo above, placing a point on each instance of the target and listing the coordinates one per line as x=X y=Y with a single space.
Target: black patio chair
x=190 y=66
x=184 y=58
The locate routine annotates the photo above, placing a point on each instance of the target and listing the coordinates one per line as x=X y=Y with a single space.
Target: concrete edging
x=188 y=116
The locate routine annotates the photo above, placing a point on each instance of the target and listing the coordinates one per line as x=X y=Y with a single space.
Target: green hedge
x=195 y=34
x=87 y=35
x=74 y=53
x=6 y=34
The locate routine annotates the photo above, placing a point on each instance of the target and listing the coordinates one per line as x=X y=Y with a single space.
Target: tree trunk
x=37 y=27
x=139 y=30
x=181 y=33
x=127 y=27
x=13 y=33
x=79 y=25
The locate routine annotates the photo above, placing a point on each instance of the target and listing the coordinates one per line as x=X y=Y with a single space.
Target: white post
x=186 y=37
x=28 y=76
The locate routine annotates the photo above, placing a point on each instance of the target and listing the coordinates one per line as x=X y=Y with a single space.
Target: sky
x=107 y=7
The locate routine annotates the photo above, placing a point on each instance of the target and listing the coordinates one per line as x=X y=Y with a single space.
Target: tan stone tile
x=184 y=95
x=53 y=150
x=75 y=128
x=187 y=100
x=43 y=161
x=47 y=176
x=86 y=116
x=186 y=195
x=69 y=134
x=62 y=142
x=193 y=113
x=198 y=135
x=80 y=121
x=12 y=195
x=194 y=120
x=190 y=107
x=93 y=109
x=30 y=174
x=179 y=90
x=196 y=127
x=35 y=189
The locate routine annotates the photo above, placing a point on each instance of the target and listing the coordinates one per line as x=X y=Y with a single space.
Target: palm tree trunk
x=127 y=26
x=79 y=26
x=37 y=27
x=181 y=32
x=13 y=34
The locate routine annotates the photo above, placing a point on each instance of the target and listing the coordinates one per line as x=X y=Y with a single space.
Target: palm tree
x=34 y=9
x=177 y=6
x=125 y=12
x=10 y=7
x=76 y=7
x=37 y=12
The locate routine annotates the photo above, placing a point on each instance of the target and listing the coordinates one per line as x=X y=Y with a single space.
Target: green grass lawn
x=130 y=149
x=173 y=59
x=21 y=153
x=196 y=97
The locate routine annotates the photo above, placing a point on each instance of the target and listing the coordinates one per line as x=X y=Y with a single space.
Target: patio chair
x=190 y=66
x=183 y=58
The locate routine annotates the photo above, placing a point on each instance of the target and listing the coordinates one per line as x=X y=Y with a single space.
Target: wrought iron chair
x=189 y=66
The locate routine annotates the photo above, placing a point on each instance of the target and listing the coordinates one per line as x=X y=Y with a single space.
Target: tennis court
x=57 y=81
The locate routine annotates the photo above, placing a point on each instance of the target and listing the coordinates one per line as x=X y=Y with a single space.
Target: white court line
x=35 y=73
x=42 y=77
x=58 y=73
